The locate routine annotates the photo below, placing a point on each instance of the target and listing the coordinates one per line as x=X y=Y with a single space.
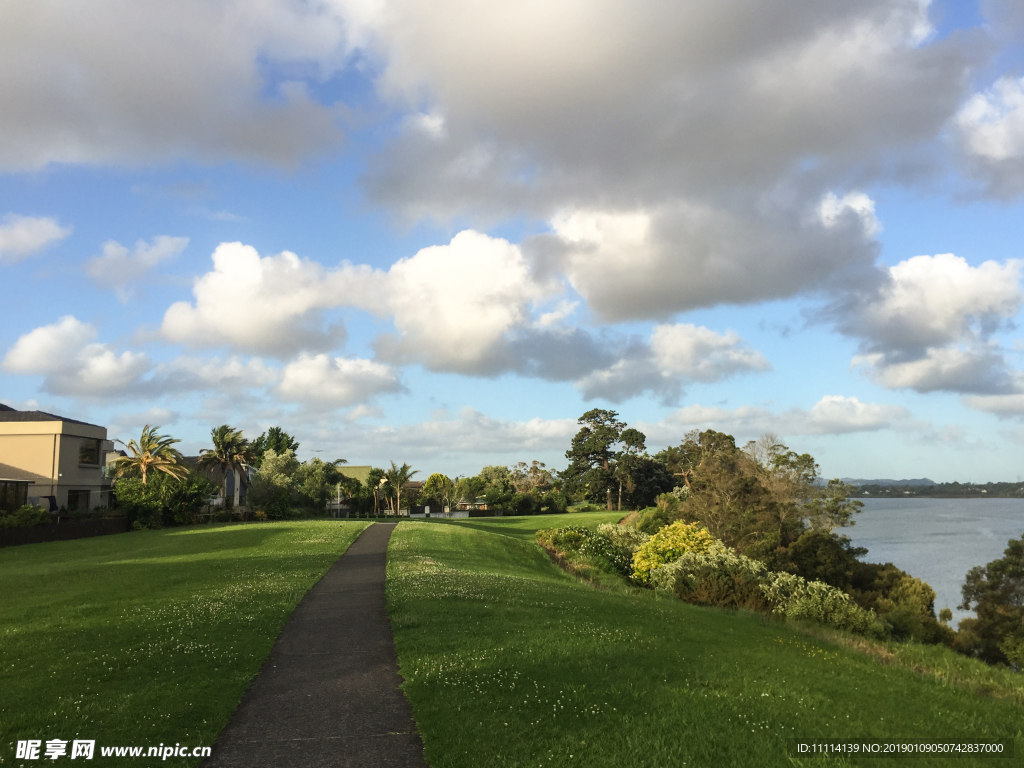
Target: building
x=56 y=461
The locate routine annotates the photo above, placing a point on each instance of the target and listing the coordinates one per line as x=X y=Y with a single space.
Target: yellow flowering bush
x=670 y=543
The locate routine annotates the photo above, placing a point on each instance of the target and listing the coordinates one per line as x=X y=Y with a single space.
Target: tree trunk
x=238 y=486
x=620 y=496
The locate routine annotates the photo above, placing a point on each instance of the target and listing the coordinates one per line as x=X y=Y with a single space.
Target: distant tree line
x=942 y=491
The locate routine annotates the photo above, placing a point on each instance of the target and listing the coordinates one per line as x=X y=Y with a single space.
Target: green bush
x=720 y=577
x=626 y=537
x=583 y=541
x=163 y=500
x=25 y=516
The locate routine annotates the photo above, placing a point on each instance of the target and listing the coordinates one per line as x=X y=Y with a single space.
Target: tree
x=498 y=478
x=633 y=444
x=153 y=452
x=592 y=452
x=468 y=489
x=396 y=478
x=440 y=487
x=272 y=486
x=316 y=480
x=996 y=593
x=230 y=453
x=532 y=477
x=274 y=439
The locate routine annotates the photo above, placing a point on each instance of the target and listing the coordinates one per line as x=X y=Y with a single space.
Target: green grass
x=148 y=637
x=508 y=661
x=524 y=527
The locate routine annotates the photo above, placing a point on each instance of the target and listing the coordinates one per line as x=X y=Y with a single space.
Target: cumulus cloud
x=831 y=415
x=266 y=305
x=700 y=354
x=336 y=382
x=231 y=375
x=454 y=305
x=705 y=95
x=118 y=267
x=72 y=364
x=21 y=236
x=1004 y=406
x=928 y=325
x=135 y=83
x=653 y=263
x=675 y=355
x=991 y=131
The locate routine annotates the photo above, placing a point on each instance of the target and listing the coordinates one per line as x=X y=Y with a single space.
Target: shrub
x=23 y=517
x=722 y=578
x=585 y=542
x=626 y=537
x=716 y=576
x=668 y=544
x=259 y=516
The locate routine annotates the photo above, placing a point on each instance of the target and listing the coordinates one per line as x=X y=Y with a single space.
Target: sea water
x=937 y=540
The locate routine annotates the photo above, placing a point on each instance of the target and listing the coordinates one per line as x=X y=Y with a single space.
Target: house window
x=78 y=500
x=13 y=495
x=89 y=452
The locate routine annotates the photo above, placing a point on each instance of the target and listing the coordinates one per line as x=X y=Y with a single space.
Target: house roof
x=9 y=414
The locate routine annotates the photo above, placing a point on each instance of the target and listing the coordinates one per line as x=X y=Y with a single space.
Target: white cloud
x=652 y=263
x=928 y=325
x=931 y=300
x=1003 y=406
x=676 y=355
x=832 y=209
x=831 y=415
x=269 y=305
x=991 y=130
x=133 y=83
x=336 y=382
x=455 y=304
x=118 y=268
x=993 y=121
x=227 y=375
x=71 y=365
x=974 y=368
x=699 y=354
x=21 y=236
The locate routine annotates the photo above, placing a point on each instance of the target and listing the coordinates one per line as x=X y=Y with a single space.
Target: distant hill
x=884 y=482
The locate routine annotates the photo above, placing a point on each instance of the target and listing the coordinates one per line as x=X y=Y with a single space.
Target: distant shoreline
x=940 y=491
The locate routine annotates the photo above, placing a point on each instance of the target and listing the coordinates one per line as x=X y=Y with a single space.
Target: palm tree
x=230 y=453
x=151 y=452
x=397 y=477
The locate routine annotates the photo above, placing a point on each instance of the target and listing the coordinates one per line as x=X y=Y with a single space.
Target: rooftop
x=9 y=414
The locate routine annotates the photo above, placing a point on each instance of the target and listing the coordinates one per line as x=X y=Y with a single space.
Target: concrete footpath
x=328 y=695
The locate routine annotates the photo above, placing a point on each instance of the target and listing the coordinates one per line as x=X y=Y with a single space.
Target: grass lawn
x=508 y=661
x=148 y=637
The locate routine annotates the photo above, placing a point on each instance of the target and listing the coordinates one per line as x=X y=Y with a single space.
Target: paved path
x=328 y=695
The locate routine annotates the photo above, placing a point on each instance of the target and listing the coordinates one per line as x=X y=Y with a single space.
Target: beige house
x=62 y=459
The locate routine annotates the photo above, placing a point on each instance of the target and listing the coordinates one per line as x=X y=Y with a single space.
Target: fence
x=62 y=531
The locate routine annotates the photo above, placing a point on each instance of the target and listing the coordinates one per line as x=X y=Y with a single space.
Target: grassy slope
x=148 y=637
x=510 y=662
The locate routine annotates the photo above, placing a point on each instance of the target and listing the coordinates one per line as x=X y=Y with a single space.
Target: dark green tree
x=230 y=453
x=275 y=439
x=592 y=455
x=633 y=443
x=996 y=593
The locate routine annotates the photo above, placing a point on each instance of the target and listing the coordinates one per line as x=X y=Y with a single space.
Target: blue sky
x=441 y=237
